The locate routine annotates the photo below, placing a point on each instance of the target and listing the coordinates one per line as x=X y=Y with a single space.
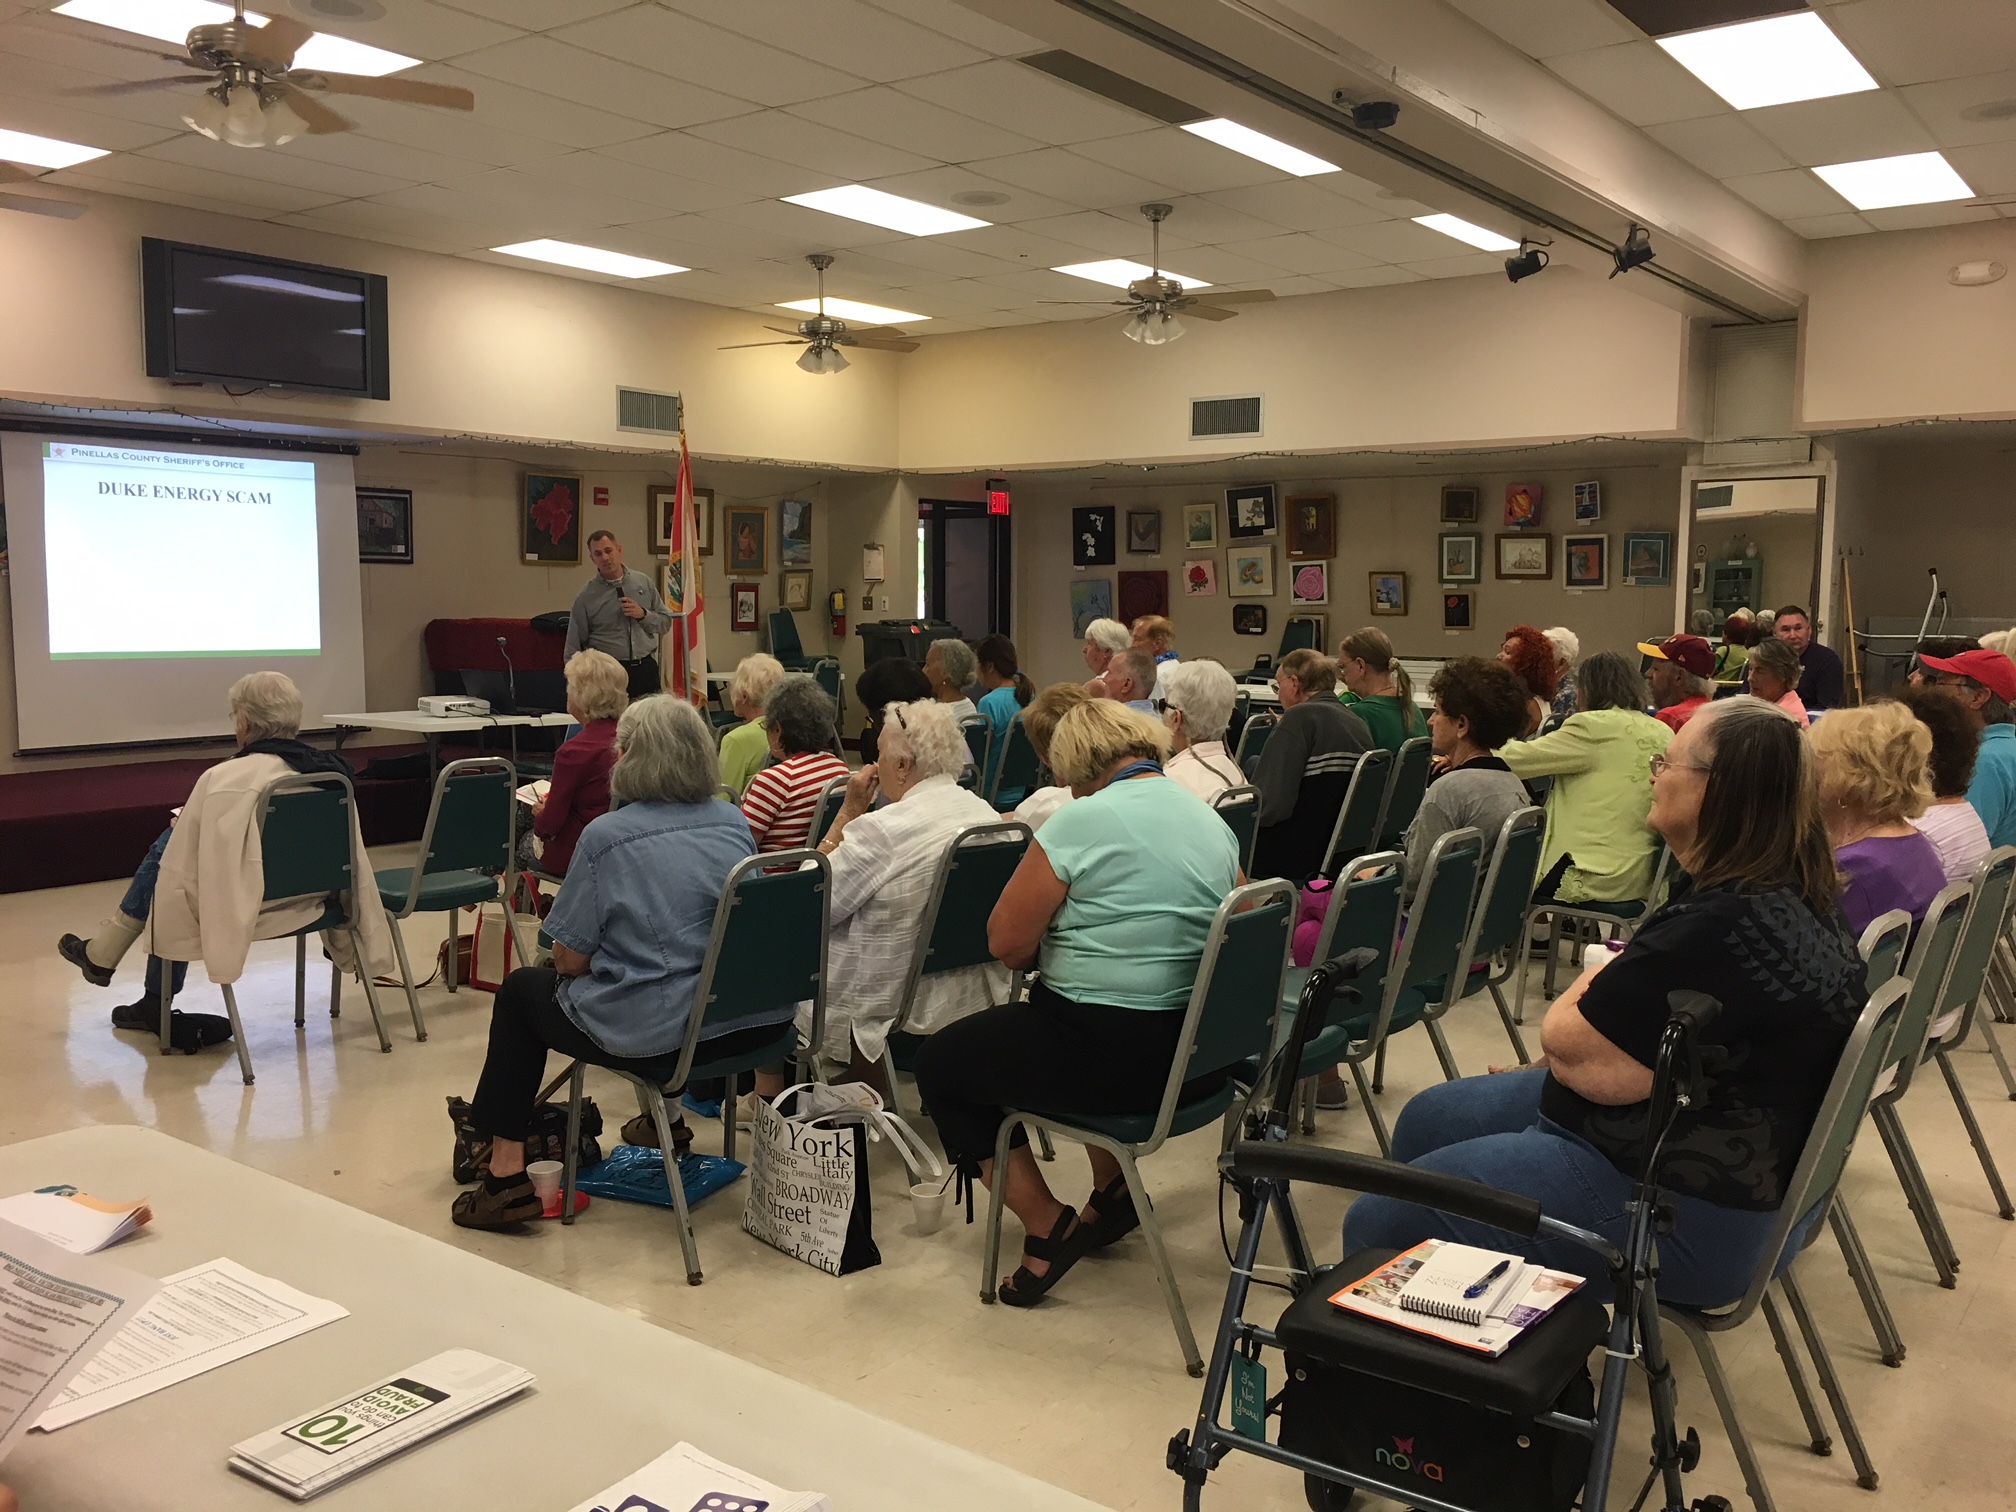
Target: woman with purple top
x=1875 y=778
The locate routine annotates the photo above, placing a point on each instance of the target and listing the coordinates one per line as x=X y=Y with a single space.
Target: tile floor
x=1084 y=1391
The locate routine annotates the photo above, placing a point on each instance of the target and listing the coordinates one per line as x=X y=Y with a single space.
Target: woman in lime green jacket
x=1598 y=848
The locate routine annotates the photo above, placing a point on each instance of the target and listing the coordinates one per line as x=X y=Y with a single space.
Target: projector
x=447 y=705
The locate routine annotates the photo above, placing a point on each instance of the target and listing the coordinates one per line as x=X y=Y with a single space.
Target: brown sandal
x=482 y=1208
x=643 y=1133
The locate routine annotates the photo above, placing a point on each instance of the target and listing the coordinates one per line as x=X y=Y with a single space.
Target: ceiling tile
x=1170 y=156
x=391 y=235
x=1817 y=227
x=958 y=295
x=1844 y=129
x=1918 y=41
x=1298 y=205
x=1037 y=244
x=1037 y=284
x=1076 y=180
x=1939 y=106
x=1989 y=168
x=1224 y=269
x=842 y=34
x=421 y=29
x=212 y=185
x=188 y=198
x=968 y=26
x=807 y=230
x=1288 y=288
x=1020 y=99
x=792 y=139
x=920 y=257
x=538 y=15
x=573 y=196
x=411 y=223
x=633 y=181
x=679 y=46
x=274 y=166
x=452 y=132
x=1301 y=253
x=574 y=73
x=1542 y=28
x=1721 y=146
x=502 y=220
x=1913 y=217
x=1468 y=265
x=1394 y=241
x=20 y=112
x=941 y=186
x=901 y=120
x=506 y=107
x=1369 y=278
x=1789 y=192
x=353 y=149
x=1205 y=222
x=1118 y=234
x=685 y=156
x=1638 y=82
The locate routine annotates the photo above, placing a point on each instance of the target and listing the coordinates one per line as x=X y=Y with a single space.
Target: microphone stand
x=511 y=675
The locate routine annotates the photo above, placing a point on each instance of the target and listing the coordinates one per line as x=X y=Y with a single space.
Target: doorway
x=963 y=557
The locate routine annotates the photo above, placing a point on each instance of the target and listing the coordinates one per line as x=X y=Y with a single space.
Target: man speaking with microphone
x=619 y=612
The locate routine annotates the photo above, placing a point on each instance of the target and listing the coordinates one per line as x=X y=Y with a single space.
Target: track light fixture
x=1636 y=251
x=1371 y=115
x=1530 y=259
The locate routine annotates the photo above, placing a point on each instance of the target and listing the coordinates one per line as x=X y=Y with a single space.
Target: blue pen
x=1483 y=1283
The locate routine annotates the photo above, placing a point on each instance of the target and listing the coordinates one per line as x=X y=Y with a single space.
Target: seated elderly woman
x=1737 y=797
x=1774 y=677
x=1377 y=688
x=1536 y=662
x=1951 y=823
x=1113 y=903
x=1875 y=778
x=1567 y=652
x=220 y=819
x=598 y=691
x=630 y=932
x=1197 y=704
x=951 y=668
x=892 y=680
x=1040 y=721
x=779 y=805
x=1479 y=705
x=745 y=750
x=1104 y=640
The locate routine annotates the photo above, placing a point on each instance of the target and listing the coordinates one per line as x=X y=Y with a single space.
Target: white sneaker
x=745 y=1110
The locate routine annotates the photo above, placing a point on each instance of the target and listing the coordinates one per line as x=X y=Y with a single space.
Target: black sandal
x=1063 y=1249
x=1117 y=1216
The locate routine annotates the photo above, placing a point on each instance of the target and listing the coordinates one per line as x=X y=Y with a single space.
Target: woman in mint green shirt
x=1113 y=905
x=1377 y=688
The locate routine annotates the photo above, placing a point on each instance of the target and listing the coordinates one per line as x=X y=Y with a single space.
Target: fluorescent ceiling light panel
x=892 y=211
x=173 y=20
x=1260 y=147
x=44 y=152
x=1463 y=231
x=853 y=309
x=1916 y=178
x=591 y=259
x=1770 y=62
x=1119 y=272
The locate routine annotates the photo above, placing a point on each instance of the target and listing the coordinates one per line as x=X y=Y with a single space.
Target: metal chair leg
x=167 y=1004
x=1523 y=954
x=300 y=980
x=661 y=1120
x=1306 y=1095
x=1151 y=1227
x=1044 y=1149
x=238 y=1034
x=1553 y=955
x=990 y=1248
x=1974 y=1135
x=406 y=976
x=1510 y=1019
x=1818 y=1439
x=1725 y=1404
x=454 y=949
x=1837 y=1396
x=731 y=1100
x=1442 y=1052
x=1371 y=1110
x=370 y=993
x=1889 y=1342
x=1379 y=1068
x=570 y=1161
x=1904 y=1160
x=1987 y=1022
x=889 y=1073
x=336 y=985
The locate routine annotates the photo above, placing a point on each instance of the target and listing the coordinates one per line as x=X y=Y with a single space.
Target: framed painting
x=664 y=520
x=550 y=520
x=1388 y=592
x=794 y=533
x=1144 y=532
x=743 y=605
x=797 y=590
x=1459 y=610
x=1092 y=530
x=1309 y=583
x=385 y=525
x=1200 y=578
x=1312 y=527
x=748 y=541
x=1461 y=503
x=1585 y=561
x=1648 y=559
x=1461 y=558
x=703 y=519
x=1142 y=593
x=1588 y=502
x=1091 y=598
x=1526 y=556
x=1200 y=527
x=1249 y=572
x=1249 y=619
x=1249 y=511
x=1522 y=505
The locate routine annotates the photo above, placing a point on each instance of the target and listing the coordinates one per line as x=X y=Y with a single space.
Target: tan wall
x=1912 y=505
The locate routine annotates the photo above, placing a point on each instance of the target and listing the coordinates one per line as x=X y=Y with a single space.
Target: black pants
x=526 y=1021
x=1048 y=1055
x=644 y=678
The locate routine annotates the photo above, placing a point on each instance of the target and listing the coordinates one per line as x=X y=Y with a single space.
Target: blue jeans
x=139 y=902
x=1489 y=1129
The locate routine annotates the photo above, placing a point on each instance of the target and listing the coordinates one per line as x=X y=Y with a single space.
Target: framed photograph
x=1249 y=619
x=663 y=504
x=1091 y=598
x=1309 y=583
x=1697 y=578
x=1200 y=527
x=1249 y=572
x=1249 y=511
x=1588 y=502
x=1522 y=505
x=797 y=594
x=1648 y=559
x=1459 y=610
x=1526 y=556
x=1142 y=593
x=1312 y=527
x=748 y=541
x=1585 y=561
x=1092 y=543
x=1144 y=531
x=1389 y=592
x=1461 y=503
x=550 y=525
x=742 y=599
x=1200 y=578
x=703 y=519
x=385 y=525
x=794 y=533
x=1462 y=558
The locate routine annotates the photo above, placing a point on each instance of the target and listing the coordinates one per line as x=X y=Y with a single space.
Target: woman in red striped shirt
x=780 y=800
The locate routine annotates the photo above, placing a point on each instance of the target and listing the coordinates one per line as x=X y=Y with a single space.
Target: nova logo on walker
x=351 y=1422
x=1401 y=1457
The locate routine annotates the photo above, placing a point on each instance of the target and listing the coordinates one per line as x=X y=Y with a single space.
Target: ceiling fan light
x=819 y=358
x=282 y=123
x=1152 y=328
x=244 y=119
x=206 y=116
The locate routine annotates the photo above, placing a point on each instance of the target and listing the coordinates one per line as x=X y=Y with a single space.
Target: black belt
x=636 y=661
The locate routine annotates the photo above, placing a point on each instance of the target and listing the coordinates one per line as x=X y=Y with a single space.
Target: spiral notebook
x=1463 y=1284
x=1526 y=1302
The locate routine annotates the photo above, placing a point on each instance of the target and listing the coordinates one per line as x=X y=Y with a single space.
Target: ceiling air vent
x=1236 y=416
x=642 y=410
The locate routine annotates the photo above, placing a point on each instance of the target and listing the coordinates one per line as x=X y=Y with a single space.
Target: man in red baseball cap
x=1985 y=681
x=1682 y=677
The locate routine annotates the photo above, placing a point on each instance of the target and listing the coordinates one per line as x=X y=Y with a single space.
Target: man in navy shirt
x=1822 y=685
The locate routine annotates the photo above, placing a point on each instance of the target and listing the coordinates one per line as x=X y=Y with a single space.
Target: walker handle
x=1252 y=1160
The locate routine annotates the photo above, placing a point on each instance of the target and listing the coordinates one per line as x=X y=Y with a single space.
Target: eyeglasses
x=1660 y=764
x=1163 y=705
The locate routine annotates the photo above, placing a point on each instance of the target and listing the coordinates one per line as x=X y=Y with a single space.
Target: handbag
x=546 y=1141
x=1311 y=910
x=493 y=951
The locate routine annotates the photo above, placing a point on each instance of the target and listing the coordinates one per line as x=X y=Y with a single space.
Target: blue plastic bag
x=632 y=1173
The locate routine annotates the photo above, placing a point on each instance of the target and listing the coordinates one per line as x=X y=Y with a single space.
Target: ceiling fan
x=255 y=97
x=1152 y=303
x=13 y=173
x=822 y=336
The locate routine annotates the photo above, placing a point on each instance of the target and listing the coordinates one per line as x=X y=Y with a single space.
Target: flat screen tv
x=215 y=316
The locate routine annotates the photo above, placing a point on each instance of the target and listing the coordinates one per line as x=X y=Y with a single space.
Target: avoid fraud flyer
x=57 y=1310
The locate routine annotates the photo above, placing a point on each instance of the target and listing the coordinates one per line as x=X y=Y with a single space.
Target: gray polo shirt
x=597 y=622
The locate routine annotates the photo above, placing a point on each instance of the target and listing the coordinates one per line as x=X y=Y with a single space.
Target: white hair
x=597 y=682
x=957 y=660
x=1203 y=691
x=928 y=733
x=267 y=704
x=755 y=675
x=664 y=754
x=1567 y=644
x=1109 y=635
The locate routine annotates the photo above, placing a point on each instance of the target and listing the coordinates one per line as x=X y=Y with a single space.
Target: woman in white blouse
x=1197 y=708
